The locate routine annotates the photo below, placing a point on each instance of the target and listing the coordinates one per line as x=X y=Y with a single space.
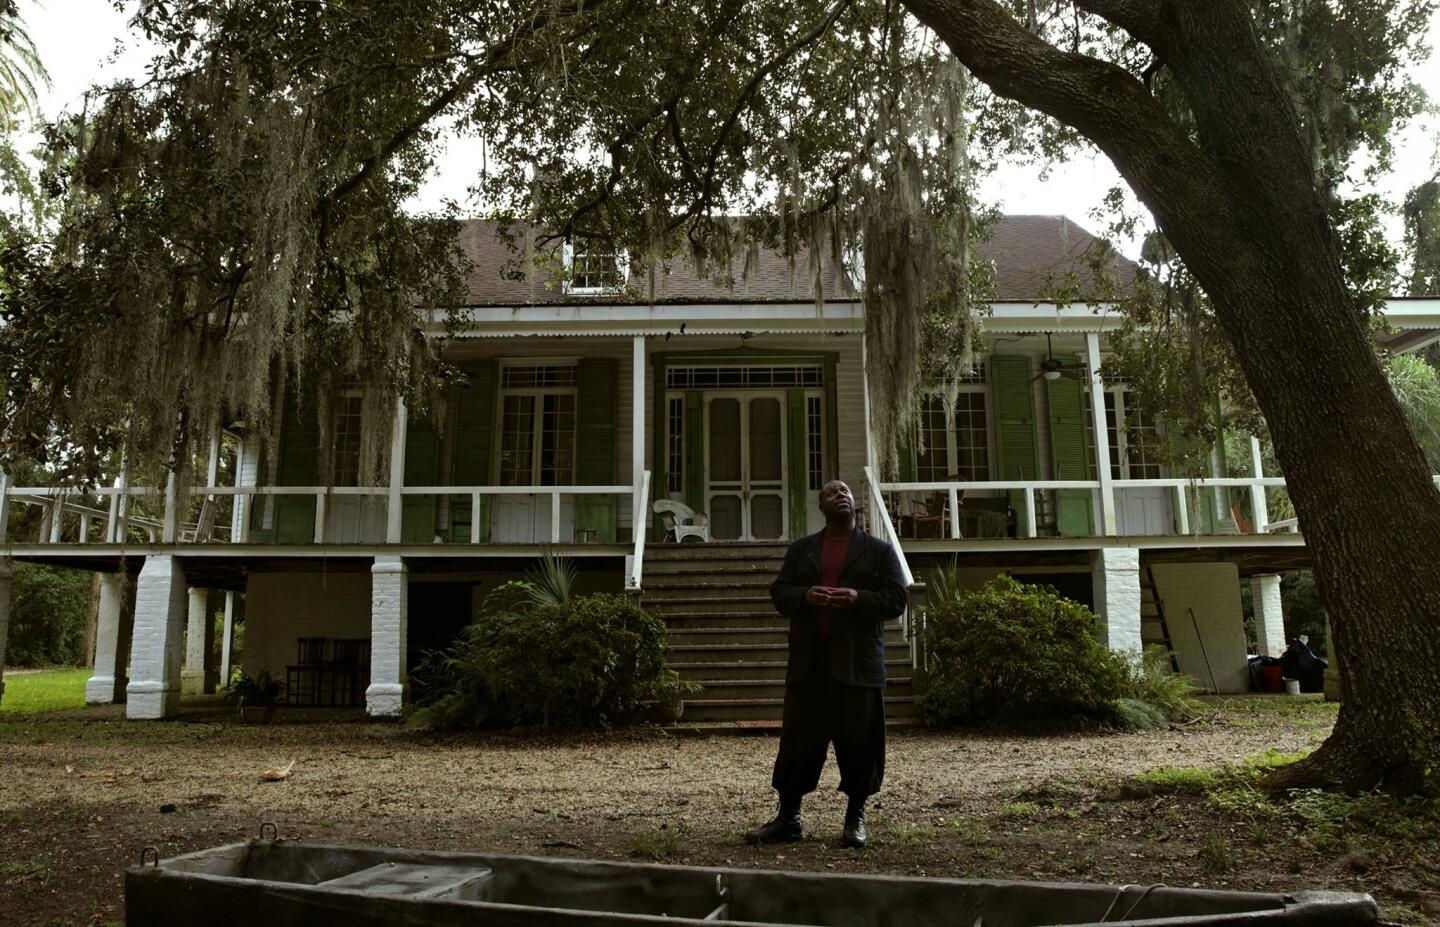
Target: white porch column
x=1224 y=517
x=106 y=685
x=247 y=473
x=227 y=639
x=6 y=583
x=871 y=459
x=154 y=689
x=1259 y=505
x=192 y=677
x=389 y=612
x=394 y=511
x=1115 y=572
x=170 y=518
x=1269 y=615
x=4 y=506
x=1102 y=435
x=637 y=432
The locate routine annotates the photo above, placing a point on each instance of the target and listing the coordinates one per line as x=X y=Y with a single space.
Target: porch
x=550 y=446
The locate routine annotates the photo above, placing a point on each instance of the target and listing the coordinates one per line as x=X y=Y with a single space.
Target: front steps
x=725 y=634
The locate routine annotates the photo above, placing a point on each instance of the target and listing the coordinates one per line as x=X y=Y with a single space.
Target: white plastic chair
x=681 y=521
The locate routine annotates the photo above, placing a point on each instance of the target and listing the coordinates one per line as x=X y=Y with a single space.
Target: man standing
x=838 y=587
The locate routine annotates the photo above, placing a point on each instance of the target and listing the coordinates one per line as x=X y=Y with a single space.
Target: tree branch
x=469 y=79
x=1112 y=108
x=1140 y=18
x=747 y=93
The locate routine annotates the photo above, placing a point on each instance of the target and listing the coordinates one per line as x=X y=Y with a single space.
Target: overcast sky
x=85 y=41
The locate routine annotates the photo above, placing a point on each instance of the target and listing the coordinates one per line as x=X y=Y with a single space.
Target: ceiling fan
x=1052 y=369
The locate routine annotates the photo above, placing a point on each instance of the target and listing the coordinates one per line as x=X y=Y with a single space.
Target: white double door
x=746 y=457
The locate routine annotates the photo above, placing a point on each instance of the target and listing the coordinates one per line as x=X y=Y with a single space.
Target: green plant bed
x=534 y=657
x=52 y=690
x=255 y=697
x=1025 y=657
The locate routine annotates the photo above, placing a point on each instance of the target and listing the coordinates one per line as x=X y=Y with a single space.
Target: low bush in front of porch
x=581 y=661
x=1025 y=656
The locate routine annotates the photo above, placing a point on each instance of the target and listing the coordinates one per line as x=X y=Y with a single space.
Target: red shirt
x=832 y=564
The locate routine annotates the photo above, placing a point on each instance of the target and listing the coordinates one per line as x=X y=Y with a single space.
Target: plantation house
x=583 y=407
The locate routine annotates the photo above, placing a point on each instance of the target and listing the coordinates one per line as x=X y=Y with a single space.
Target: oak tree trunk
x=1239 y=201
x=86 y=657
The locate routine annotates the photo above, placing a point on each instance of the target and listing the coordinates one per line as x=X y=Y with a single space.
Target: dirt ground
x=84 y=792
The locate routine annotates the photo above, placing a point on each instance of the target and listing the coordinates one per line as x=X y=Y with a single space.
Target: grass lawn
x=51 y=690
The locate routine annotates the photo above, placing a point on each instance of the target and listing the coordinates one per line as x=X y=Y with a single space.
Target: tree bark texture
x=1241 y=205
x=92 y=623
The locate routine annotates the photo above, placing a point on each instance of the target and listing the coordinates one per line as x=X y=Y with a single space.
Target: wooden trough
x=278 y=884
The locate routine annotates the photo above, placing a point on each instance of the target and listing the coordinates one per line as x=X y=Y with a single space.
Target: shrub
x=257 y=691
x=1139 y=716
x=1151 y=681
x=1013 y=652
x=585 y=661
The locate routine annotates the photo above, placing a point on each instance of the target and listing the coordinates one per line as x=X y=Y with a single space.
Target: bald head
x=837 y=504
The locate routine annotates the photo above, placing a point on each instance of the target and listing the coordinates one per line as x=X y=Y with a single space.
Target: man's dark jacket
x=857 y=635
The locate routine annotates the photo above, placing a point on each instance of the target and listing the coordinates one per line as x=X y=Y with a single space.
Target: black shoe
x=785 y=828
x=853 y=836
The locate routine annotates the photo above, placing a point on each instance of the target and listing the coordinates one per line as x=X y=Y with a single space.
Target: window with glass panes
x=675 y=446
x=537 y=427
x=957 y=443
x=594 y=266
x=1134 y=449
x=346 y=470
x=972 y=436
x=814 y=456
x=932 y=452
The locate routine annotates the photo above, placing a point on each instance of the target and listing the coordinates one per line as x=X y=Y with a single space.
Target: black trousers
x=822 y=710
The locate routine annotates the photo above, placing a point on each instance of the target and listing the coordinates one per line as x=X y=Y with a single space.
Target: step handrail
x=887 y=526
x=640 y=519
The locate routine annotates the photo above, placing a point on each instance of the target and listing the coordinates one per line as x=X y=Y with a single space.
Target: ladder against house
x=725 y=634
x=1153 y=627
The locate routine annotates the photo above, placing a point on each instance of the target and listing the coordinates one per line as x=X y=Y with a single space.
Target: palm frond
x=550 y=583
x=1417 y=386
x=22 y=73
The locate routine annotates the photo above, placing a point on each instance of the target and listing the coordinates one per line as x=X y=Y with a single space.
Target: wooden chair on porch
x=681 y=521
x=932 y=517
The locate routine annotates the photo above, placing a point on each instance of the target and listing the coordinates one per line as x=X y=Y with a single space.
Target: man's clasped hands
x=831 y=597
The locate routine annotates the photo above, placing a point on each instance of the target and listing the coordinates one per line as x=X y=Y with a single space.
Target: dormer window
x=593 y=268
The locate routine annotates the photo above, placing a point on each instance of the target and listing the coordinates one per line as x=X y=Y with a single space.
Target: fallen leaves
x=277 y=774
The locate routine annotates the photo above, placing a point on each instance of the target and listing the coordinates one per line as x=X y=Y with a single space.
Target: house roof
x=1034 y=254
x=1031 y=255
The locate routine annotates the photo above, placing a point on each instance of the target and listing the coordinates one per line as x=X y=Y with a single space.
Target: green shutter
x=470 y=458
x=595 y=446
x=797 y=472
x=831 y=469
x=422 y=456
x=298 y=466
x=694 y=457
x=1074 y=510
x=1014 y=422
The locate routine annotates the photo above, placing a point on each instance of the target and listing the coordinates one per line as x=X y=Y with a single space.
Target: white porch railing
x=1026 y=522
x=881 y=517
x=880 y=520
x=72 y=514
